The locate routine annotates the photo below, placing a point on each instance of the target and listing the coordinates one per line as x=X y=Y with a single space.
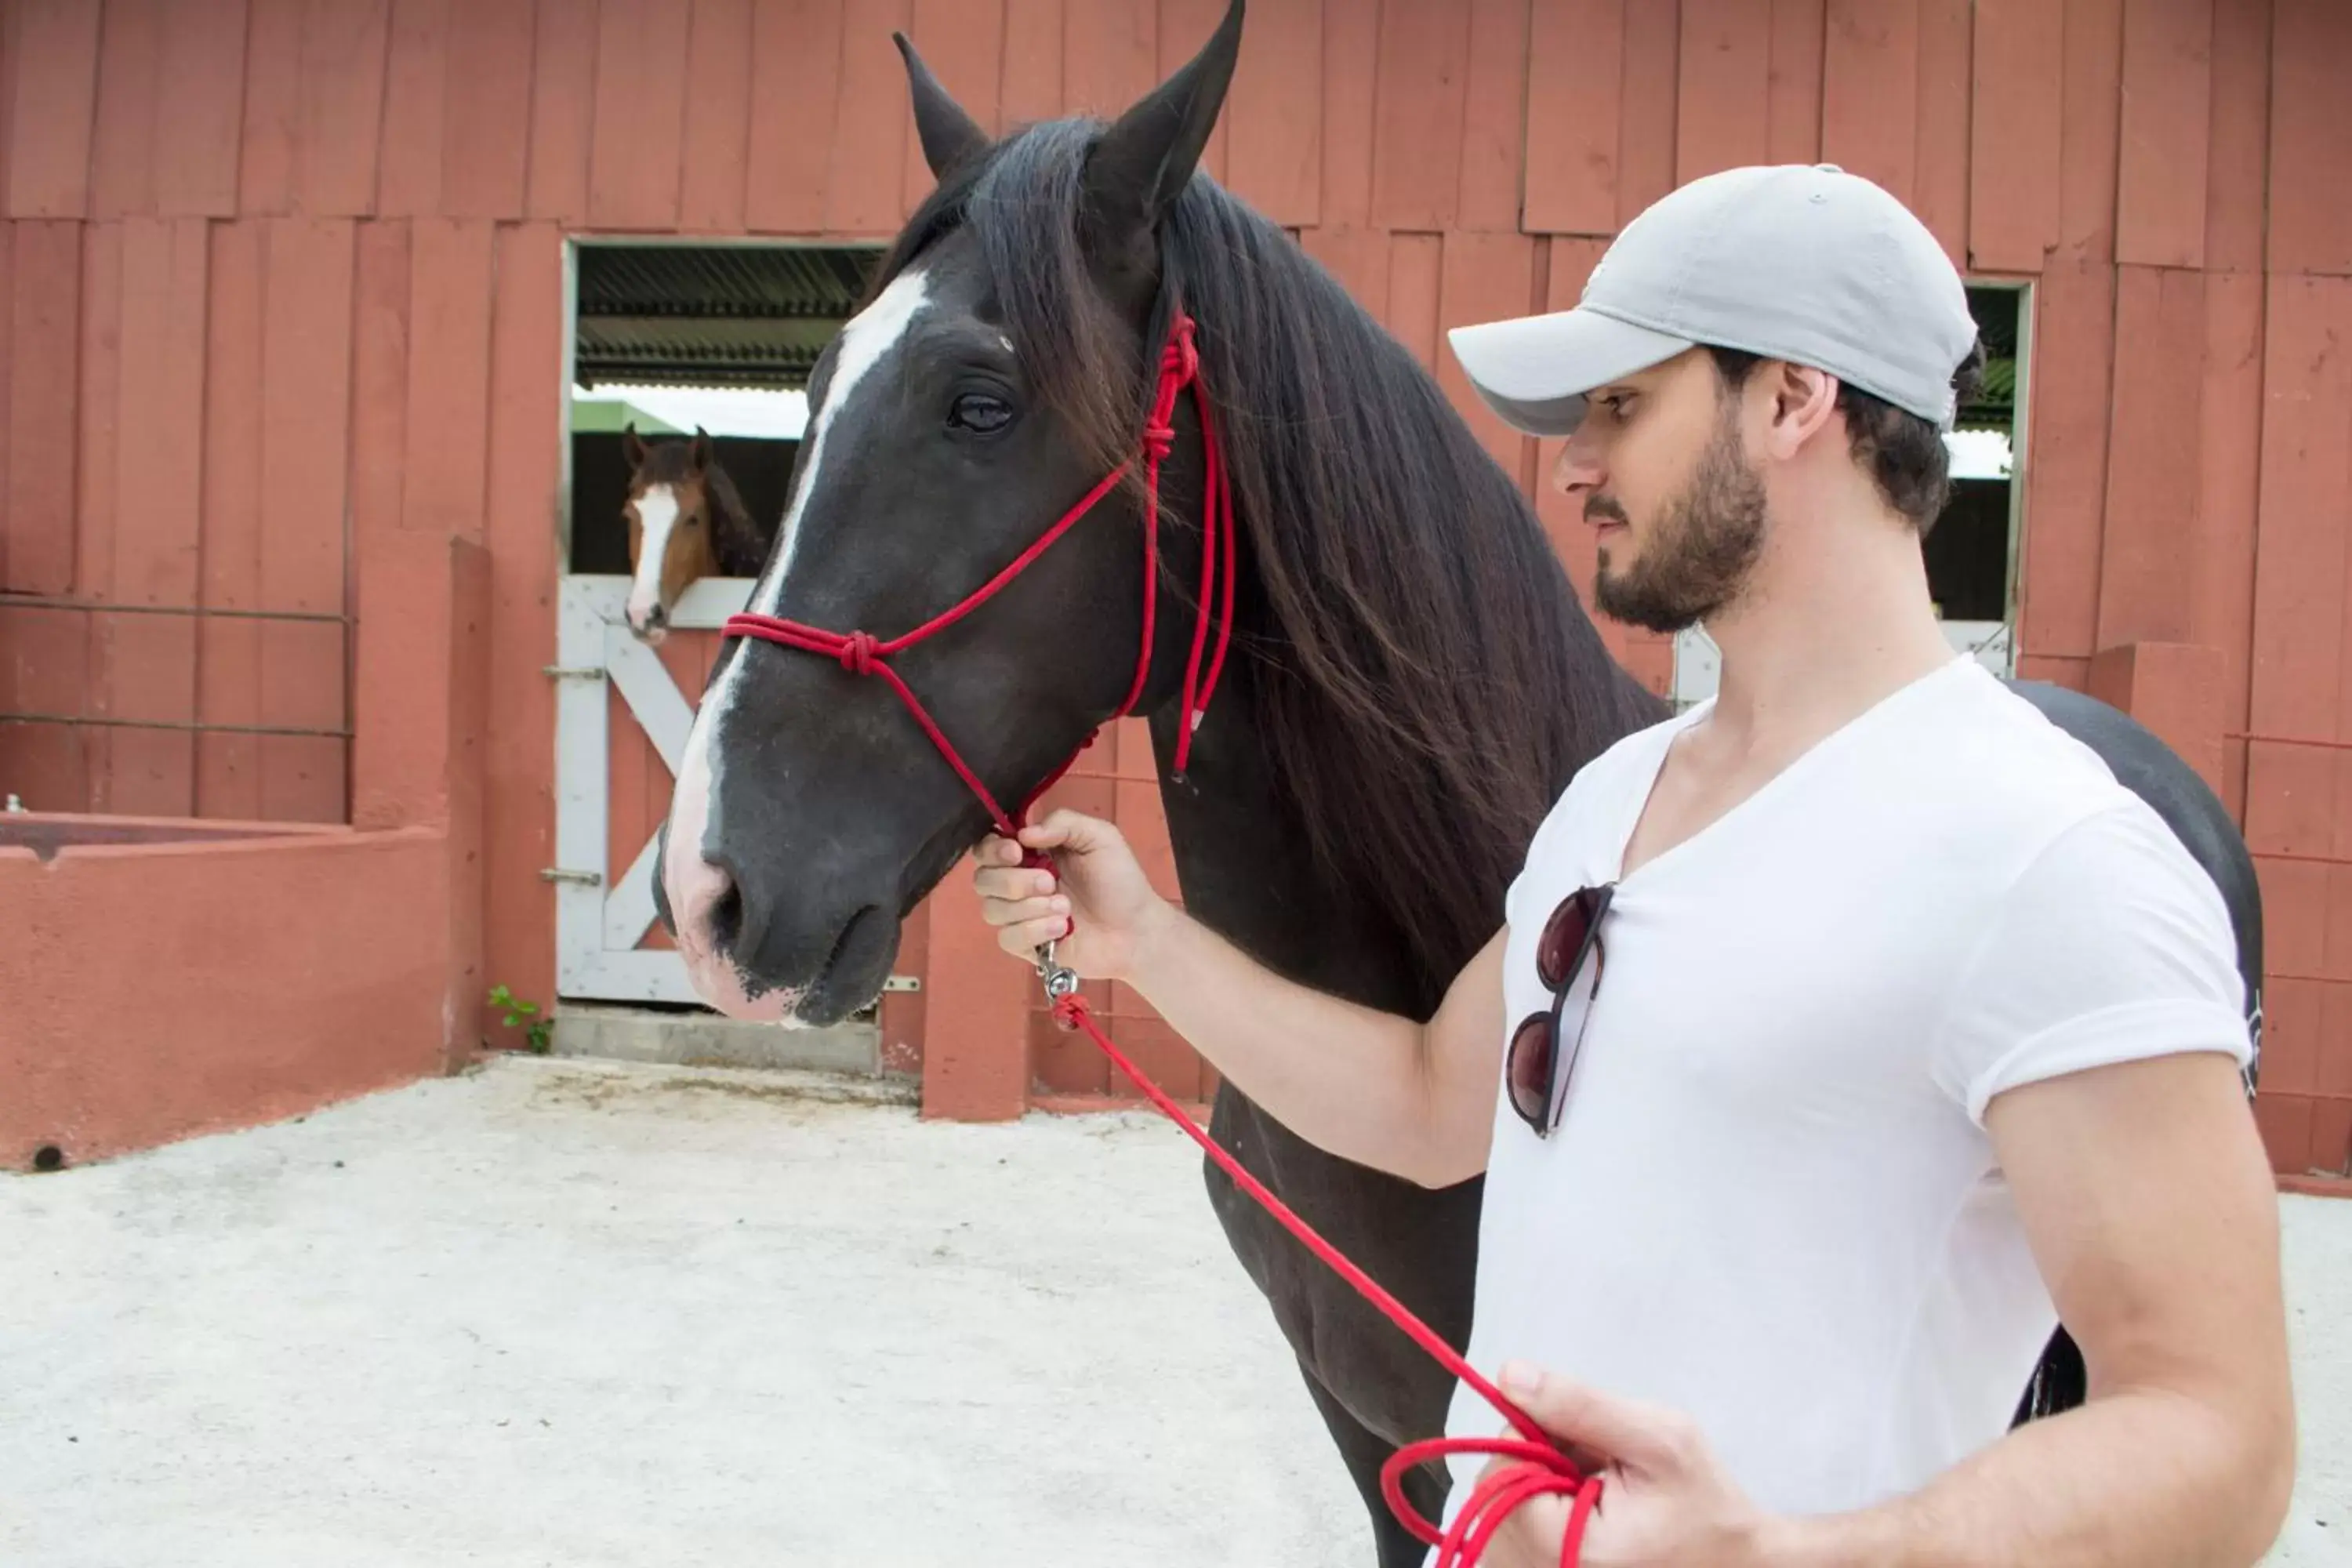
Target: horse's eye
x=978 y=412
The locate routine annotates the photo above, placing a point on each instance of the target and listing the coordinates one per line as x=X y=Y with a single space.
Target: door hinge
x=558 y=874
x=903 y=982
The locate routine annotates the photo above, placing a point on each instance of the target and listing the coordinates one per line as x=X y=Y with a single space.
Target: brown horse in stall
x=686 y=522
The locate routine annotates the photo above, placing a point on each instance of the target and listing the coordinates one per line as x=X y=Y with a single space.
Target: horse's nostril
x=727 y=918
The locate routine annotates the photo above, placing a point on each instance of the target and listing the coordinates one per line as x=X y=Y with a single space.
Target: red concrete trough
x=174 y=977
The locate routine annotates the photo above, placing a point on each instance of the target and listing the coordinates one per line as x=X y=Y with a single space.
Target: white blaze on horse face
x=693 y=884
x=656 y=516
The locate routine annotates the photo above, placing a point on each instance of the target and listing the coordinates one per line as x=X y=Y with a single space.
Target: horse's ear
x=700 y=451
x=950 y=136
x=1141 y=164
x=632 y=447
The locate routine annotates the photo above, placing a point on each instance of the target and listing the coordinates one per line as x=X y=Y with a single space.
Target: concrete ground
x=557 y=1314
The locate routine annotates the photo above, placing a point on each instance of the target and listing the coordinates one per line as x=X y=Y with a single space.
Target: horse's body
x=686 y=522
x=1414 y=681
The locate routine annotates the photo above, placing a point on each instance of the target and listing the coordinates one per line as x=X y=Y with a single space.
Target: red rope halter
x=1537 y=1467
x=861 y=653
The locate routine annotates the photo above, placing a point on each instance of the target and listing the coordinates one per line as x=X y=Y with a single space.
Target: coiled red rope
x=1537 y=1468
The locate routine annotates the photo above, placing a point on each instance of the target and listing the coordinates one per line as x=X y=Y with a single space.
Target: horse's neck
x=1248 y=874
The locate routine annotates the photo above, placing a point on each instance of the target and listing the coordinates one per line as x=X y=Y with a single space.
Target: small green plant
x=536 y=1031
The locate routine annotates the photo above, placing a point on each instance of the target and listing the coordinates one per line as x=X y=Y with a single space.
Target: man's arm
x=1416 y=1101
x=2151 y=1211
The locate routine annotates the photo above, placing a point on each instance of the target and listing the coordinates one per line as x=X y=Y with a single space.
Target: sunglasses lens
x=1563 y=936
x=1530 y=1065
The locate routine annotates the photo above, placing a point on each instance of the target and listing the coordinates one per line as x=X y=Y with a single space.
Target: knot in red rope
x=857 y=654
x=1159 y=440
x=1181 y=357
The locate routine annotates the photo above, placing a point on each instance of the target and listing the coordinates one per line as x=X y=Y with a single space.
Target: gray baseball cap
x=1799 y=262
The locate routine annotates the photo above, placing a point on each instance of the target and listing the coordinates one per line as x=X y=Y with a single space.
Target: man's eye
x=979 y=413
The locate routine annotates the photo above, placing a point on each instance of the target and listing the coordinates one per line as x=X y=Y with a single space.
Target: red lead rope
x=1537 y=1469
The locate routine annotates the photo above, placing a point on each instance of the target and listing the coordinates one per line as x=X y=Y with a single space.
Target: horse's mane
x=1429 y=679
x=742 y=545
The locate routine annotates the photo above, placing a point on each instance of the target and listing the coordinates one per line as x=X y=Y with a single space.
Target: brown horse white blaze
x=683 y=513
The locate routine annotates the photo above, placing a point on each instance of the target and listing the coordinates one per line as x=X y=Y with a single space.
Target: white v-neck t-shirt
x=1770 y=1201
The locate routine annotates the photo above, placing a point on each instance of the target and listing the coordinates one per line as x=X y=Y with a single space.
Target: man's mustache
x=1600 y=508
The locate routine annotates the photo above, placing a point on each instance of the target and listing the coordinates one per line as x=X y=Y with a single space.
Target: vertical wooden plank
x=1648 y=106
x=2065 y=483
x=1351 y=45
x=46 y=655
x=871 y=126
x=1576 y=51
x=486 y=111
x=2014 y=134
x=159 y=489
x=2222 y=566
x=2166 y=86
x=792 y=138
x=1940 y=177
x=44 y=357
x=122 y=142
x=448 y=378
x=1870 y=91
x=718 y=116
x=200 y=104
x=1032 y=79
x=228 y=652
x=1358 y=258
x=379 y=339
x=526 y=386
x=1723 y=98
x=1110 y=54
x=2307 y=497
x=1494 y=143
x=100 y=414
x=1275 y=109
x=2237 y=169
x=2152 y=486
x=348 y=107
x=306 y=426
x=636 y=146
x=51 y=110
x=963 y=43
x=1416 y=281
x=1179 y=31
x=2090 y=115
x=269 y=140
x=1483 y=277
x=2311 y=137
x=8 y=294
x=1421 y=93
x=1793 y=131
x=564 y=109
x=414 y=98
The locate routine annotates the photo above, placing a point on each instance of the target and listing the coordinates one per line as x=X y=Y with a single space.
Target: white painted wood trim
x=598 y=924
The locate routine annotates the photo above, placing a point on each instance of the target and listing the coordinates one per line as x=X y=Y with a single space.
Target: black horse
x=1414 y=680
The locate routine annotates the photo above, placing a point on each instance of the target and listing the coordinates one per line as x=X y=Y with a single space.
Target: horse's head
x=673 y=527
x=999 y=374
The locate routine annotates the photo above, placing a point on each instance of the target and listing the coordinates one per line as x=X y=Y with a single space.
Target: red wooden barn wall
x=280 y=272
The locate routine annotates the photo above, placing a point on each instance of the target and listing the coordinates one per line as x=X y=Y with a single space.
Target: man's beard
x=1701 y=548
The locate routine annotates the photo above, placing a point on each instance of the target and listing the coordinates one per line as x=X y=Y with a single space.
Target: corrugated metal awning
x=712 y=316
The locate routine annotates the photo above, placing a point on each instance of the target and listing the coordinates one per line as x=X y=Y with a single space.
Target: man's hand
x=1666 y=1501
x=1101 y=886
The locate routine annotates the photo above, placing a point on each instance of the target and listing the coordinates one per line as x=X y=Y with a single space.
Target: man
x=1845 y=1032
